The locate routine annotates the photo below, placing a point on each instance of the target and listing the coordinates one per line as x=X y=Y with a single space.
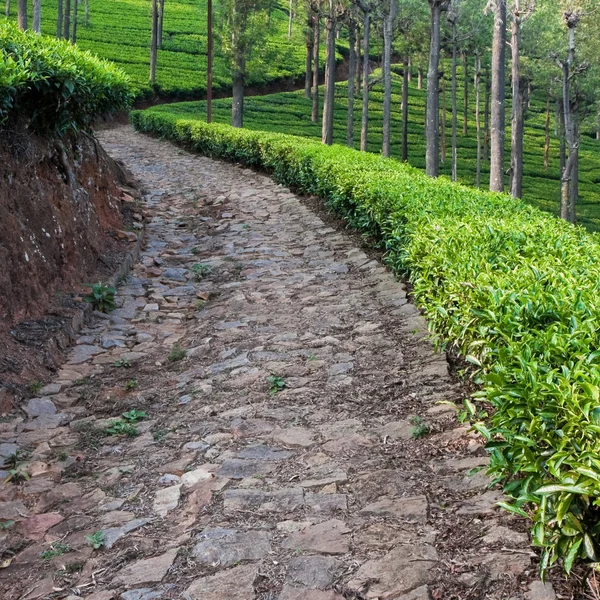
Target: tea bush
x=52 y=87
x=513 y=289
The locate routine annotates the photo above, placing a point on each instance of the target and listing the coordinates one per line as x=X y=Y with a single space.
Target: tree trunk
x=37 y=16
x=516 y=142
x=364 y=129
x=498 y=98
x=7 y=9
x=290 y=19
x=237 y=107
x=209 y=59
x=560 y=133
x=67 y=20
x=358 y=47
x=420 y=78
x=22 y=14
x=86 y=18
x=443 y=121
x=454 y=106
x=405 y=80
x=329 y=101
x=465 y=93
x=161 y=16
x=59 y=19
x=351 y=83
x=477 y=85
x=154 y=42
x=315 y=92
x=574 y=182
x=486 y=118
x=432 y=113
x=308 y=66
x=238 y=44
x=74 y=35
x=388 y=32
x=409 y=69
x=547 y=132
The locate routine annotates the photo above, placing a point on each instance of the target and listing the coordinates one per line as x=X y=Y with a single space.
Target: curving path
x=283 y=373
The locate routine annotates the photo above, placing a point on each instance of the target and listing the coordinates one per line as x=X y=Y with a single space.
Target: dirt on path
x=287 y=433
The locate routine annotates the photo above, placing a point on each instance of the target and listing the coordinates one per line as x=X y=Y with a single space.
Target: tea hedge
x=513 y=289
x=52 y=87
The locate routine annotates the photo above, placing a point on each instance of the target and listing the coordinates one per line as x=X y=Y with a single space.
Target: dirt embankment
x=62 y=206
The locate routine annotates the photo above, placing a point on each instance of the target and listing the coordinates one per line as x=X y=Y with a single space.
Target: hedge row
x=514 y=290
x=52 y=87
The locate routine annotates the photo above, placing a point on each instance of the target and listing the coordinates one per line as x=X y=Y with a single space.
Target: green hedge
x=514 y=290
x=53 y=87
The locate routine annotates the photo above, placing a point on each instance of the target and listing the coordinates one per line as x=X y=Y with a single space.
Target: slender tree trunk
x=22 y=14
x=388 y=32
x=161 y=17
x=454 y=106
x=420 y=78
x=351 y=83
x=465 y=62
x=516 y=142
x=237 y=107
x=37 y=16
x=59 y=19
x=498 y=98
x=477 y=85
x=432 y=153
x=560 y=132
x=358 y=58
x=443 y=120
x=239 y=67
x=209 y=60
x=74 y=35
x=574 y=182
x=7 y=9
x=405 y=80
x=86 y=18
x=409 y=69
x=329 y=101
x=316 y=44
x=154 y=42
x=290 y=19
x=308 y=68
x=486 y=118
x=364 y=130
x=67 y=20
x=547 y=132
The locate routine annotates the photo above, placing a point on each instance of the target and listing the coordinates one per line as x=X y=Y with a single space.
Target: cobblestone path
x=294 y=442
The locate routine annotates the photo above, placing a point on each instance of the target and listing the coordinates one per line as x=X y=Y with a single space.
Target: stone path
x=284 y=436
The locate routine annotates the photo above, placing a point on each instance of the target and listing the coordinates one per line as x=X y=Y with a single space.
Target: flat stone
x=312 y=571
x=406 y=567
x=13 y=511
x=294 y=437
x=396 y=430
x=420 y=593
x=46 y=421
x=329 y=537
x=7 y=449
x=51 y=389
x=232 y=584
x=482 y=504
x=326 y=502
x=501 y=564
x=83 y=353
x=166 y=499
x=151 y=307
x=226 y=547
x=498 y=534
x=36 y=526
x=236 y=468
x=302 y=593
x=413 y=508
x=197 y=446
x=262 y=452
x=114 y=534
x=40 y=406
x=541 y=590
x=202 y=473
x=347 y=445
x=286 y=500
x=104 y=595
x=149 y=570
x=325 y=477
x=242 y=428
x=455 y=465
x=232 y=363
x=142 y=594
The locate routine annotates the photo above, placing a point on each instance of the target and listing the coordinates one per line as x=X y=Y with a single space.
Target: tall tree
x=316 y=62
x=161 y=19
x=432 y=154
x=390 y=12
x=452 y=19
x=477 y=86
x=308 y=40
x=154 y=42
x=67 y=20
x=7 y=9
x=22 y=14
x=74 y=34
x=465 y=64
x=498 y=102
x=328 y=104
x=366 y=9
x=59 y=19
x=37 y=16
x=405 y=79
x=209 y=59
x=352 y=69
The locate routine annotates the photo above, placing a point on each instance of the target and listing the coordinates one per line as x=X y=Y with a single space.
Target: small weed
x=14 y=459
x=419 y=427
x=159 y=435
x=200 y=304
x=35 y=386
x=119 y=427
x=63 y=456
x=101 y=297
x=56 y=549
x=245 y=226
x=130 y=385
x=312 y=357
x=96 y=540
x=18 y=474
x=176 y=354
x=201 y=271
x=74 y=567
x=83 y=381
x=123 y=362
x=276 y=384
x=6 y=525
x=134 y=415
x=195 y=250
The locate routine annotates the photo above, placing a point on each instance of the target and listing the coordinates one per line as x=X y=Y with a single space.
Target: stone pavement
x=285 y=435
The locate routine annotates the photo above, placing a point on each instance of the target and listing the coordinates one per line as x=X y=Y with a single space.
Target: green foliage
x=512 y=288
x=131 y=385
x=201 y=271
x=96 y=540
x=276 y=384
x=56 y=549
x=419 y=427
x=101 y=297
x=16 y=467
x=123 y=362
x=53 y=86
x=120 y=427
x=176 y=354
x=35 y=386
x=134 y=415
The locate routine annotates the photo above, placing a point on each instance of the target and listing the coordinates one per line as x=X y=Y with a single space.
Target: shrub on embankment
x=51 y=87
x=514 y=290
